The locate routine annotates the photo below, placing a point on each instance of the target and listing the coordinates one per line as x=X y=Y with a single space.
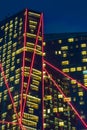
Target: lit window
x=65 y=70
x=71 y=40
x=18 y=61
x=15 y=35
x=79 y=68
x=72 y=69
x=54 y=109
x=17 y=81
x=48 y=111
x=80 y=93
x=77 y=46
x=60 y=96
x=60 y=41
x=85 y=72
x=83 y=45
x=85 y=80
x=81 y=103
x=65 y=62
x=48 y=97
x=85 y=84
x=67 y=99
x=44 y=43
x=55 y=52
x=11 y=21
x=84 y=52
x=64 y=55
x=84 y=67
x=60 y=109
x=64 y=48
x=59 y=52
x=74 y=99
x=85 y=76
x=84 y=60
x=73 y=81
x=61 y=123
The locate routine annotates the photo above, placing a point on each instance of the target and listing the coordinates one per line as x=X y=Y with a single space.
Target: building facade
x=21 y=71
x=68 y=53
x=29 y=98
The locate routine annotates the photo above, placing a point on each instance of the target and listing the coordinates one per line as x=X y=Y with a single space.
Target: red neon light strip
x=42 y=76
x=32 y=64
x=55 y=68
x=23 y=64
x=70 y=104
x=6 y=122
x=12 y=123
x=7 y=86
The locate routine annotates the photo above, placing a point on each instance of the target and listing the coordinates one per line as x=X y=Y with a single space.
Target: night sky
x=59 y=15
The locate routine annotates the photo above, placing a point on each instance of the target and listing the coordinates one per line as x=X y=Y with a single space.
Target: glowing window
x=74 y=99
x=65 y=70
x=80 y=93
x=55 y=52
x=60 y=41
x=59 y=52
x=64 y=55
x=85 y=76
x=11 y=21
x=85 y=84
x=12 y=78
x=11 y=26
x=72 y=69
x=15 y=35
x=73 y=81
x=61 y=123
x=17 y=81
x=81 y=103
x=54 y=109
x=64 y=48
x=83 y=45
x=71 y=40
x=60 y=109
x=60 y=96
x=48 y=97
x=48 y=111
x=84 y=60
x=85 y=80
x=44 y=43
x=83 y=52
x=10 y=106
x=65 y=62
x=18 y=61
x=84 y=67
x=79 y=68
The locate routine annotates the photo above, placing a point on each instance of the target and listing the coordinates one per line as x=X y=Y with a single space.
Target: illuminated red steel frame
x=60 y=90
x=32 y=63
x=19 y=119
x=12 y=100
x=22 y=73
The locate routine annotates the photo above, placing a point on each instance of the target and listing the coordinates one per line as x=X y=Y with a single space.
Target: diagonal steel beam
x=32 y=63
x=69 y=103
x=66 y=75
x=10 y=95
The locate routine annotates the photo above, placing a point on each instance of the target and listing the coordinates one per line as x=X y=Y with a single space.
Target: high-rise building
x=38 y=91
x=21 y=38
x=68 y=53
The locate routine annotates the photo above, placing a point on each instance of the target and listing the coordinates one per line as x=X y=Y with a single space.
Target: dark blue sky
x=59 y=15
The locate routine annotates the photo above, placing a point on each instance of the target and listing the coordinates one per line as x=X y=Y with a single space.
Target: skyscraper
x=38 y=91
x=68 y=54
x=21 y=38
